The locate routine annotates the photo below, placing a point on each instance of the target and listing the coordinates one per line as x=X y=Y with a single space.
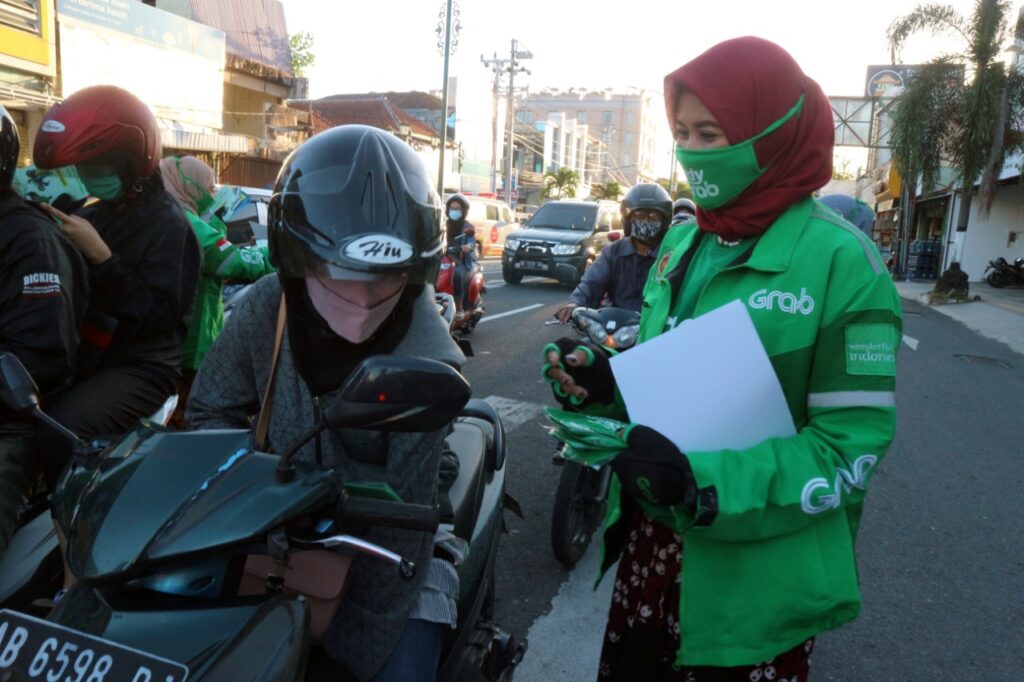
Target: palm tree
x=563 y=180
x=607 y=190
x=971 y=123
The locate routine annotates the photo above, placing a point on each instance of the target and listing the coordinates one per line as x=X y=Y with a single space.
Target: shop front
x=931 y=222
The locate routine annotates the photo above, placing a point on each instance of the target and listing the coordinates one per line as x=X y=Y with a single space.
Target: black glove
x=590 y=379
x=654 y=469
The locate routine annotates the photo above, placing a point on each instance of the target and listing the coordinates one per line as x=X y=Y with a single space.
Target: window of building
x=606 y=135
x=629 y=138
x=625 y=160
x=606 y=117
x=22 y=15
x=581 y=116
x=629 y=118
x=524 y=116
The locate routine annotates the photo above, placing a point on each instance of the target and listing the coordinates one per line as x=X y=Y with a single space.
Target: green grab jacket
x=769 y=559
x=222 y=261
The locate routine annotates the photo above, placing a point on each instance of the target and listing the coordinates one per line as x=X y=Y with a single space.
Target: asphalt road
x=941 y=546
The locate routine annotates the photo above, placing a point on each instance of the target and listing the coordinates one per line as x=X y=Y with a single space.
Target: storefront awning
x=176 y=135
x=15 y=97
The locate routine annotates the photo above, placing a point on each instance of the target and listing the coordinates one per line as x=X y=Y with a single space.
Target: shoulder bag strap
x=263 y=421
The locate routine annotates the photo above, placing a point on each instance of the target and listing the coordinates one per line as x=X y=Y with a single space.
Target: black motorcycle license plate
x=34 y=649
x=532 y=265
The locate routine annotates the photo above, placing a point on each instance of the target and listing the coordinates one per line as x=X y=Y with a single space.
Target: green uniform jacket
x=222 y=261
x=776 y=564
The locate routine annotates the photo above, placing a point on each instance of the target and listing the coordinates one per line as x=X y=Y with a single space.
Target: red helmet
x=96 y=122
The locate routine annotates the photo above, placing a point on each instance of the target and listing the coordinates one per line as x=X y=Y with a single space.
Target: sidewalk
x=998 y=315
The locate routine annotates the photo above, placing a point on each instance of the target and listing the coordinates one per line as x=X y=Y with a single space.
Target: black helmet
x=10 y=147
x=355 y=202
x=647 y=195
x=683 y=207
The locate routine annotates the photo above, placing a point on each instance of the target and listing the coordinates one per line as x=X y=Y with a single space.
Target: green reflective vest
x=222 y=261
x=776 y=565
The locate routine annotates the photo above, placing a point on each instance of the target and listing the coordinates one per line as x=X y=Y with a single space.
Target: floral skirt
x=642 y=636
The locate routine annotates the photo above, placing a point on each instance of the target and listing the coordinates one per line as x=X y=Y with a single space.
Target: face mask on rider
x=455 y=214
x=355 y=309
x=101 y=180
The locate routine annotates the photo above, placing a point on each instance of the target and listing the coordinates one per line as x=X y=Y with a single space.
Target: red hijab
x=748 y=84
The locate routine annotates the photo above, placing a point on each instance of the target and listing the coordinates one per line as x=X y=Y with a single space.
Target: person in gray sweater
x=355 y=232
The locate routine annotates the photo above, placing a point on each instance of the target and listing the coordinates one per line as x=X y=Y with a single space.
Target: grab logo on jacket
x=818 y=496
x=762 y=299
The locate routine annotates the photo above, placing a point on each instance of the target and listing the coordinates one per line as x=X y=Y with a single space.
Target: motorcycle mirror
x=390 y=393
x=17 y=388
x=398 y=393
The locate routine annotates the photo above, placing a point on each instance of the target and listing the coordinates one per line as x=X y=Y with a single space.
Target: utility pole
x=498 y=67
x=513 y=68
x=446 y=44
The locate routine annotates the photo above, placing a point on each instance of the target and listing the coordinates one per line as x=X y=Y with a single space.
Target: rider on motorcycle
x=462 y=240
x=683 y=210
x=143 y=264
x=621 y=270
x=190 y=182
x=42 y=301
x=355 y=231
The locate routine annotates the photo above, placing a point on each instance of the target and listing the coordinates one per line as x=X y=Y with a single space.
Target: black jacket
x=43 y=294
x=141 y=297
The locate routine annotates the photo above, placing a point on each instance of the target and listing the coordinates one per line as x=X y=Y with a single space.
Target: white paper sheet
x=706 y=385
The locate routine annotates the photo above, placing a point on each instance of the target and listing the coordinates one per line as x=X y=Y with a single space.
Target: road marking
x=910 y=341
x=501 y=282
x=575 y=623
x=514 y=412
x=488 y=318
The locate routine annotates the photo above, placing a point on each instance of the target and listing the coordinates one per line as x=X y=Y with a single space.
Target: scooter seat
x=469 y=444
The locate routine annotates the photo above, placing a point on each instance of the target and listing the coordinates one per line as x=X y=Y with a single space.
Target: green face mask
x=717 y=176
x=101 y=180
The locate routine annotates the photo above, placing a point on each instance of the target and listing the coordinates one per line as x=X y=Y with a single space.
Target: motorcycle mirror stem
x=20 y=394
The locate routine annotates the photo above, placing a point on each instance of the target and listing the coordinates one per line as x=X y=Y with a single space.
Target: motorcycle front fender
x=263 y=638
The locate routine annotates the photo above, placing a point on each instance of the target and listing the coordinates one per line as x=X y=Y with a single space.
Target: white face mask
x=354 y=309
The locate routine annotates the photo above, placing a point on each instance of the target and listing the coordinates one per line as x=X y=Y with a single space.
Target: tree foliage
x=963 y=108
x=607 y=190
x=564 y=181
x=302 y=52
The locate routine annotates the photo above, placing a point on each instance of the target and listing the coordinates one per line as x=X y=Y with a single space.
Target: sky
x=380 y=45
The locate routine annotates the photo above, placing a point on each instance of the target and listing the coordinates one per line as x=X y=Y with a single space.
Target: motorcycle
x=243 y=555
x=1004 y=273
x=474 y=308
x=582 y=491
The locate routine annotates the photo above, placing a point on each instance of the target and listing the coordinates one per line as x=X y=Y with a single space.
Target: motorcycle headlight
x=512 y=244
x=565 y=249
x=626 y=337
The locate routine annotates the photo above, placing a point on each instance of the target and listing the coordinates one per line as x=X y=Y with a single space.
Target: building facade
x=627 y=127
x=28 y=64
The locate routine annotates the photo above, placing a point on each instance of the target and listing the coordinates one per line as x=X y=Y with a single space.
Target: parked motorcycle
x=583 y=491
x=196 y=556
x=473 y=308
x=1004 y=273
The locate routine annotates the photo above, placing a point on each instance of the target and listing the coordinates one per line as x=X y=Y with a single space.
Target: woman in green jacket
x=190 y=182
x=732 y=561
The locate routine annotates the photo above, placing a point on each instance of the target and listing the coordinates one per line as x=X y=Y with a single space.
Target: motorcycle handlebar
x=362 y=510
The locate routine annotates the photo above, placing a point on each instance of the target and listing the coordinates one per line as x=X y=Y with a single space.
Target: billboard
x=174 y=65
x=888 y=81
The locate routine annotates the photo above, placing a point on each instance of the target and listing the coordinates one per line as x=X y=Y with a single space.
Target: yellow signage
x=27 y=49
